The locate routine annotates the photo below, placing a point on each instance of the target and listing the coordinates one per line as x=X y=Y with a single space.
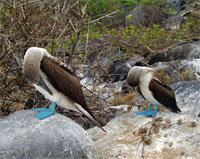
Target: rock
x=88 y=82
x=122 y=70
x=129 y=136
x=106 y=66
x=105 y=91
x=187 y=96
x=135 y=16
x=23 y=136
x=174 y=22
x=174 y=5
x=179 y=70
x=143 y=15
x=117 y=86
x=169 y=72
x=190 y=50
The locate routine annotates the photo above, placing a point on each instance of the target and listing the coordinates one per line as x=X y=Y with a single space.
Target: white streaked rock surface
x=177 y=136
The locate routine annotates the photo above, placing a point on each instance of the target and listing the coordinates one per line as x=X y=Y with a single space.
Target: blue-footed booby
x=56 y=82
x=152 y=89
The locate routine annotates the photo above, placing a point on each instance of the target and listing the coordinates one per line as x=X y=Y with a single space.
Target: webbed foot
x=45 y=112
x=152 y=113
x=149 y=111
x=143 y=112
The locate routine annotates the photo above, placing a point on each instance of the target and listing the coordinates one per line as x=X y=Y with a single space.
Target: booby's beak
x=42 y=84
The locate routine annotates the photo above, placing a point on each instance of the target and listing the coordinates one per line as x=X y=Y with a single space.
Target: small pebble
x=193 y=124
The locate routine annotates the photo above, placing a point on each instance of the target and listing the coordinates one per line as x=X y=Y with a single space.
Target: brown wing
x=64 y=81
x=163 y=94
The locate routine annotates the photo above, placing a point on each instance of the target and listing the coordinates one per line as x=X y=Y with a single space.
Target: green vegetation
x=98 y=8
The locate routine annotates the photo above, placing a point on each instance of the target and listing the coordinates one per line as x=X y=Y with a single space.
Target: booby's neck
x=145 y=79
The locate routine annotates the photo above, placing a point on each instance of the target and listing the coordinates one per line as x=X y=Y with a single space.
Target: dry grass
x=120 y=98
x=187 y=74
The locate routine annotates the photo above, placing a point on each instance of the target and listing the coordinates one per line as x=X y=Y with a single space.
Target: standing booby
x=56 y=82
x=152 y=89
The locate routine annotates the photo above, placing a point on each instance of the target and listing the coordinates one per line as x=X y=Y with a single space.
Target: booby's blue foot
x=46 y=112
x=146 y=111
x=153 y=112
x=142 y=113
x=149 y=111
x=41 y=109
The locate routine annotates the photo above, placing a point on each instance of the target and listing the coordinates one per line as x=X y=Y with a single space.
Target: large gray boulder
x=143 y=15
x=188 y=96
x=23 y=136
x=188 y=50
x=175 y=5
x=174 y=22
x=180 y=70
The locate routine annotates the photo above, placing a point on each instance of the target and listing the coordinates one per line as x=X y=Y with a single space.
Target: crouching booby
x=56 y=82
x=152 y=88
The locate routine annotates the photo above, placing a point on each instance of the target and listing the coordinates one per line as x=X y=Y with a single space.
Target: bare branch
x=73 y=47
x=107 y=15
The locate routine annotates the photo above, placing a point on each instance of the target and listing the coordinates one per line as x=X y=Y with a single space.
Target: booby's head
x=133 y=77
x=32 y=60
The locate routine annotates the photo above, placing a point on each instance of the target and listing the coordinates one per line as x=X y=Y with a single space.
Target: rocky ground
x=131 y=136
x=168 y=135
x=107 y=61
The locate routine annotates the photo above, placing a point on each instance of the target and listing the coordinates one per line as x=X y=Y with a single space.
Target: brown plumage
x=151 y=87
x=69 y=86
x=56 y=81
x=163 y=94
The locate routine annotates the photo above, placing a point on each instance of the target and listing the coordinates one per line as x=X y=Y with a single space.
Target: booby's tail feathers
x=89 y=116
